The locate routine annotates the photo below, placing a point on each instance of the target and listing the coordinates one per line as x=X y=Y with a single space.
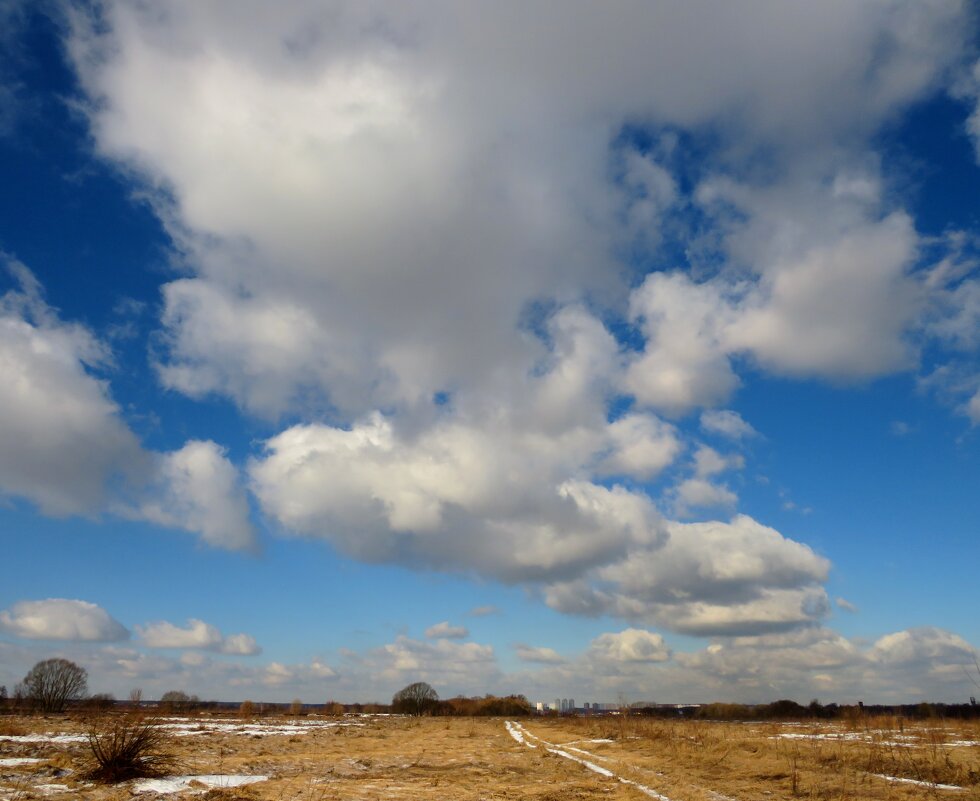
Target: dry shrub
x=124 y=749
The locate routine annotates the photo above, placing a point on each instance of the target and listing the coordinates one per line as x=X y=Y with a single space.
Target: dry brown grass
x=759 y=760
x=476 y=760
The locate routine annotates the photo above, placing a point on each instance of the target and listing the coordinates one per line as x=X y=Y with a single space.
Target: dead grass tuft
x=123 y=749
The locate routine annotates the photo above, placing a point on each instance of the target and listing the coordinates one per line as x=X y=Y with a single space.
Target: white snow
x=174 y=784
x=918 y=783
x=44 y=738
x=13 y=762
x=582 y=752
x=517 y=733
x=187 y=728
x=47 y=789
x=590 y=765
x=898 y=740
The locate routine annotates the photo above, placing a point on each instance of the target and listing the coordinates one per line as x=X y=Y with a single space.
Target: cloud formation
x=303 y=233
x=629 y=645
x=67 y=448
x=726 y=423
x=445 y=630
x=452 y=497
x=538 y=654
x=199 y=490
x=62 y=619
x=62 y=436
x=322 y=190
x=196 y=634
x=898 y=667
x=710 y=578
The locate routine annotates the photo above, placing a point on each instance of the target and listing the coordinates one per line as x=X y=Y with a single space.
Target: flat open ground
x=375 y=757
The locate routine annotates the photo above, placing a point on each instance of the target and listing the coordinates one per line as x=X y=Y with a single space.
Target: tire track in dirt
x=524 y=737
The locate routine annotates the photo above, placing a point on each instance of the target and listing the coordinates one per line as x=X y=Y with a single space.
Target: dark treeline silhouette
x=791 y=710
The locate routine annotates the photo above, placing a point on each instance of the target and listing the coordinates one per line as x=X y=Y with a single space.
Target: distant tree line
x=790 y=710
x=54 y=685
x=420 y=698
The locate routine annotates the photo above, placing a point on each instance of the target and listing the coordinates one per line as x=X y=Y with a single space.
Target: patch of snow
x=590 y=765
x=188 y=728
x=582 y=752
x=44 y=738
x=898 y=741
x=174 y=784
x=517 y=732
x=13 y=762
x=48 y=789
x=918 y=783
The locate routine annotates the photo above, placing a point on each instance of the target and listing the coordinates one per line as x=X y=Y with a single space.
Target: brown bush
x=124 y=749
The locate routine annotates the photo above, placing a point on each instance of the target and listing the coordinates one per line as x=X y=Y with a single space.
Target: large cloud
x=841 y=309
x=61 y=436
x=62 y=619
x=708 y=578
x=501 y=489
x=423 y=241
x=65 y=446
x=329 y=184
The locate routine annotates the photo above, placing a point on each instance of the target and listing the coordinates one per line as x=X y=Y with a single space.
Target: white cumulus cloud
x=198 y=489
x=196 y=634
x=630 y=645
x=62 y=439
x=61 y=619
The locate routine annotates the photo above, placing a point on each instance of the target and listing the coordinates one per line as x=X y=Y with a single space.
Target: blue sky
x=632 y=357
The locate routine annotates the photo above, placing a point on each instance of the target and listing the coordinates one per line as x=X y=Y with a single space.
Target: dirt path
x=523 y=736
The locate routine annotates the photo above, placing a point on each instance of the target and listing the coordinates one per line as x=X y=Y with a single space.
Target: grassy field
x=350 y=758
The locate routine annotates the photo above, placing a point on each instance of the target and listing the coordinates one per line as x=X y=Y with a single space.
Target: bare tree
x=136 y=696
x=50 y=685
x=178 y=701
x=415 y=699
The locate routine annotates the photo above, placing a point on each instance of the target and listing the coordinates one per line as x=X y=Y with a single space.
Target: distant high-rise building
x=571 y=704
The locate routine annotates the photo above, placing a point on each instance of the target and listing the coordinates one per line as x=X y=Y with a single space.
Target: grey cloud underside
x=377 y=204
